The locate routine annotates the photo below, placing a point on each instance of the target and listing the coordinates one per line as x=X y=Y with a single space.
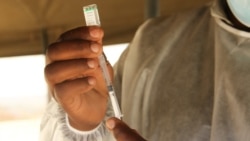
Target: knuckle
x=51 y=51
x=63 y=90
x=60 y=93
x=48 y=72
x=60 y=89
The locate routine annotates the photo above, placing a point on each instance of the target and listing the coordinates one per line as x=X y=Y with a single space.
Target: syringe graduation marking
x=92 y=18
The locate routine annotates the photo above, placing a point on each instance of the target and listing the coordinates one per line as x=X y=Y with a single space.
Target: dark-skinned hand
x=74 y=77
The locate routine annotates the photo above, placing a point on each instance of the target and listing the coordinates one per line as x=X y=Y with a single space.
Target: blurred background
x=27 y=27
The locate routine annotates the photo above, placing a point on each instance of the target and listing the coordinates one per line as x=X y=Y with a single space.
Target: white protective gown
x=185 y=77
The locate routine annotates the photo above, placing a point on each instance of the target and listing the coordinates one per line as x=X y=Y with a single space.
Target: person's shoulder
x=175 y=19
x=154 y=23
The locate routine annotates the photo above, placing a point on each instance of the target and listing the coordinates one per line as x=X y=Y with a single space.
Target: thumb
x=121 y=131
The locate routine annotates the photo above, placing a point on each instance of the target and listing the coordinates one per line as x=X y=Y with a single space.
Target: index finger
x=91 y=33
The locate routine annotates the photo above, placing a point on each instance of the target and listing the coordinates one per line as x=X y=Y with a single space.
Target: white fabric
x=81 y=132
x=55 y=127
x=183 y=78
x=186 y=77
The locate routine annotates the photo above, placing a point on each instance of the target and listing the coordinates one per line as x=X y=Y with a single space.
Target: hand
x=74 y=77
x=121 y=131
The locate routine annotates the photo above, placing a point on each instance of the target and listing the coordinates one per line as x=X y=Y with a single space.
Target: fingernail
x=94 y=48
x=91 y=63
x=95 y=33
x=91 y=81
x=110 y=124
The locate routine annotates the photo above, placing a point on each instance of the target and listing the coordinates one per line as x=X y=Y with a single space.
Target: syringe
x=92 y=18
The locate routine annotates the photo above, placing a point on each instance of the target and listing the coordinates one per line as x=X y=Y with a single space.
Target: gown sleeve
x=55 y=127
